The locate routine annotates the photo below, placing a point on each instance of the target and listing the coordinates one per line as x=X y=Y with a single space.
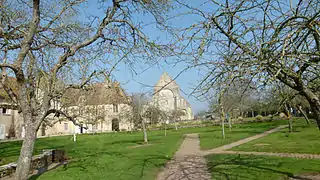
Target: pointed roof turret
x=166 y=82
x=165 y=79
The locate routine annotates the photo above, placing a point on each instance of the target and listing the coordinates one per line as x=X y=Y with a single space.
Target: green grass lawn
x=105 y=156
x=111 y=155
x=251 y=167
x=304 y=139
x=213 y=138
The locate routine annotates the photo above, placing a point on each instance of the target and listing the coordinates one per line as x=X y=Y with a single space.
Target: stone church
x=167 y=97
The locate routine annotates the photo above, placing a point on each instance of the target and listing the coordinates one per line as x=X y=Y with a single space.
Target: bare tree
x=139 y=105
x=264 y=40
x=38 y=48
x=176 y=115
x=303 y=113
x=300 y=102
x=286 y=96
x=154 y=114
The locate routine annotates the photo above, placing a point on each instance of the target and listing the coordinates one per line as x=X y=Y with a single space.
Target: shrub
x=283 y=115
x=270 y=117
x=259 y=117
x=206 y=122
x=240 y=119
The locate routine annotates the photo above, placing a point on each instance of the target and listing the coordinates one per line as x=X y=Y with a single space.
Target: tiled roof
x=97 y=94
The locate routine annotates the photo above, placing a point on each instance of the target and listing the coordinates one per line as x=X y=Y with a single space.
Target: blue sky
x=147 y=76
x=144 y=81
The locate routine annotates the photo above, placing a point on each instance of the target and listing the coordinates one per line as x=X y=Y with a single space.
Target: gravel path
x=188 y=162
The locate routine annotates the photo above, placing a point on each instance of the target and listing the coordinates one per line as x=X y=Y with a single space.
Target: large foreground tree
x=45 y=43
x=260 y=40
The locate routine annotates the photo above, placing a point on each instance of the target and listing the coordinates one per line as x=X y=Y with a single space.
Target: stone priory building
x=167 y=97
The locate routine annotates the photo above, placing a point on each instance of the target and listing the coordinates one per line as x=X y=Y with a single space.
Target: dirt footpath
x=188 y=162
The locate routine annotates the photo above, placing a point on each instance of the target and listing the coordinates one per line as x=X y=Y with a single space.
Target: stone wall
x=41 y=161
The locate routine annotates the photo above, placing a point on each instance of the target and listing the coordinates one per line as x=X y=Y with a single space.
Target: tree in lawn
x=139 y=104
x=176 y=115
x=265 y=40
x=301 y=103
x=154 y=114
x=221 y=105
x=44 y=42
x=289 y=99
x=285 y=97
x=240 y=95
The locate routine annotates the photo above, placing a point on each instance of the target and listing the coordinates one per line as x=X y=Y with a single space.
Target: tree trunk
x=289 y=117
x=314 y=102
x=229 y=123
x=315 y=106
x=222 y=122
x=241 y=106
x=145 y=135
x=175 y=125
x=222 y=126
x=165 y=129
x=24 y=161
x=290 y=123
x=304 y=114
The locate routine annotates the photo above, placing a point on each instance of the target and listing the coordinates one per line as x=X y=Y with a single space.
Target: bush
x=240 y=119
x=259 y=118
x=283 y=115
x=270 y=117
x=206 y=122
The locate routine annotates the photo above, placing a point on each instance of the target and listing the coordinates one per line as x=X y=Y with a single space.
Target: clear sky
x=147 y=76
x=144 y=81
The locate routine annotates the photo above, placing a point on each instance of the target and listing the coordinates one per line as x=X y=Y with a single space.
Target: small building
x=10 y=120
x=98 y=109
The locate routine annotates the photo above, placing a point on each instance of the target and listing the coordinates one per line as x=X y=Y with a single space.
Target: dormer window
x=115 y=108
x=66 y=126
x=5 y=111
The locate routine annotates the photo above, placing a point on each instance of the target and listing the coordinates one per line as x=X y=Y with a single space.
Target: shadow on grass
x=249 y=167
x=45 y=169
